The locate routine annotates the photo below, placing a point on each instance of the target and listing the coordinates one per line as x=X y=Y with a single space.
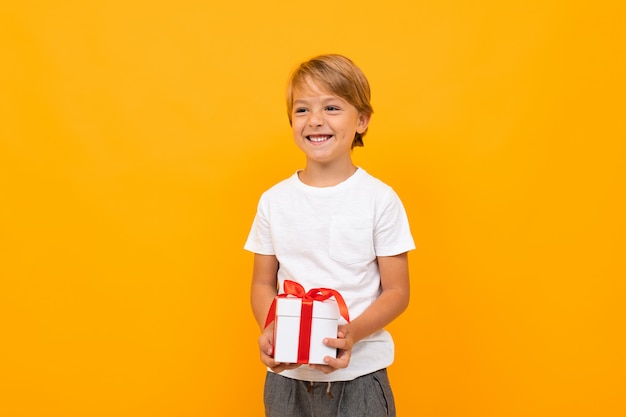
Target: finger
x=332 y=364
x=266 y=347
x=323 y=368
x=269 y=362
x=336 y=343
x=283 y=367
x=341 y=361
x=342 y=331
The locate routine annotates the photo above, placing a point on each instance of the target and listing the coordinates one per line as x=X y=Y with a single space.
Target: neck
x=326 y=176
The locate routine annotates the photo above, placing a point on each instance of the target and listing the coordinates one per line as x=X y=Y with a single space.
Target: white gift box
x=324 y=322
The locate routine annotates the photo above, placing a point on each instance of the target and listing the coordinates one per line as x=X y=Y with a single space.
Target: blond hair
x=341 y=77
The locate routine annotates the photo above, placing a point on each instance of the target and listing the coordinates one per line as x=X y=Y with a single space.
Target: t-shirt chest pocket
x=351 y=239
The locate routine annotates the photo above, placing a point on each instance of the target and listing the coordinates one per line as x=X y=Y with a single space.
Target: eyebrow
x=325 y=99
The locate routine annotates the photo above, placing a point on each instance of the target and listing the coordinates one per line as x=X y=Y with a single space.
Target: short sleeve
x=260 y=236
x=392 y=234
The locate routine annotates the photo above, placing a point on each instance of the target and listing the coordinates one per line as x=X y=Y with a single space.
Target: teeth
x=318 y=138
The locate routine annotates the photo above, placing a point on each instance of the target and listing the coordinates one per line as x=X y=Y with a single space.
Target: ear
x=364 y=121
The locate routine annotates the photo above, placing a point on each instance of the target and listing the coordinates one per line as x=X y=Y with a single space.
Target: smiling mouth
x=318 y=138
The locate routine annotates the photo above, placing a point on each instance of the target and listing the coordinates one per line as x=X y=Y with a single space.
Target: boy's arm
x=263 y=288
x=393 y=300
x=262 y=293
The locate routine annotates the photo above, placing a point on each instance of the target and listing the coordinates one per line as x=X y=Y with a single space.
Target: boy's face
x=323 y=124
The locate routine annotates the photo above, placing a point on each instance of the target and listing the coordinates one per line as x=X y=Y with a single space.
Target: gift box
x=301 y=322
x=289 y=337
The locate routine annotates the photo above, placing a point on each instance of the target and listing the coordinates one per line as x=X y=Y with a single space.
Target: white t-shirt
x=329 y=238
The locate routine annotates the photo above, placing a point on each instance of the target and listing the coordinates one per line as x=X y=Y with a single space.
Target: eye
x=332 y=108
x=299 y=110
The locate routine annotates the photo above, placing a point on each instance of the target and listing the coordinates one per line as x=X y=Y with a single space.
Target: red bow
x=316 y=294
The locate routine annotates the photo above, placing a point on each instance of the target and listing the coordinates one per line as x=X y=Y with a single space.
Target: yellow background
x=136 y=138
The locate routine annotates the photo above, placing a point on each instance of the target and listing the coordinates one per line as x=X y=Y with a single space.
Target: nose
x=315 y=118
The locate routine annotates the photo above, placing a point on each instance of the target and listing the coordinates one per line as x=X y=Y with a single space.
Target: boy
x=332 y=225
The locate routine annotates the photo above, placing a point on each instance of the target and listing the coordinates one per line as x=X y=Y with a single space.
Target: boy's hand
x=265 y=345
x=343 y=343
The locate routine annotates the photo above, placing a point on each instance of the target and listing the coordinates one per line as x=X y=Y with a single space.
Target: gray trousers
x=367 y=396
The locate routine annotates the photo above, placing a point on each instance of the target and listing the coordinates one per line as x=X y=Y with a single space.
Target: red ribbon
x=306 y=312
